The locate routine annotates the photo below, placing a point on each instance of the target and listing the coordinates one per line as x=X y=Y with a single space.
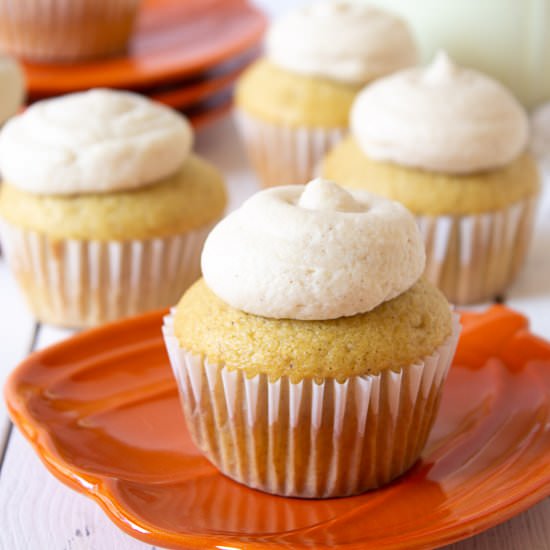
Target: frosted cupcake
x=66 y=30
x=293 y=104
x=310 y=359
x=450 y=144
x=104 y=208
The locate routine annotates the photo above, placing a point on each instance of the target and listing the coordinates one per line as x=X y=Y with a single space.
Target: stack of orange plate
x=186 y=54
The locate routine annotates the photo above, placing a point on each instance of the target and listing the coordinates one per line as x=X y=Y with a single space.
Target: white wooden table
x=39 y=513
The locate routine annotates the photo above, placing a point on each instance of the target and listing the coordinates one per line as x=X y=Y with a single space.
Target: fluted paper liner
x=283 y=155
x=65 y=30
x=307 y=439
x=83 y=283
x=475 y=258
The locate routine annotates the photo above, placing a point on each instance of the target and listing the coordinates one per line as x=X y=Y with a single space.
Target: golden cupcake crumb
x=434 y=193
x=393 y=335
x=193 y=197
x=282 y=97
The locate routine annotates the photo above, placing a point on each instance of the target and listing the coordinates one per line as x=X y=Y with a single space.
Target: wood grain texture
x=42 y=513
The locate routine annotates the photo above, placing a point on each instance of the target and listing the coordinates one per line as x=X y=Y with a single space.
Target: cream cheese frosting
x=313 y=252
x=442 y=118
x=12 y=87
x=93 y=142
x=341 y=40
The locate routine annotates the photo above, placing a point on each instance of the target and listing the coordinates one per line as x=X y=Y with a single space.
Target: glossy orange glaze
x=173 y=39
x=102 y=411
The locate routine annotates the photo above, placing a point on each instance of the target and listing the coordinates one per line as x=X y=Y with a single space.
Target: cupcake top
x=442 y=118
x=93 y=142
x=341 y=40
x=313 y=252
x=12 y=87
x=395 y=334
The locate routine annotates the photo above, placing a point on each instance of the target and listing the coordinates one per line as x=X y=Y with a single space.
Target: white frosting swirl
x=93 y=142
x=12 y=87
x=441 y=118
x=341 y=40
x=313 y=252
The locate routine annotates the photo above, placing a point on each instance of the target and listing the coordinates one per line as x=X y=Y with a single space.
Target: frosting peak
x=93 y=142
x=441 y=69
x=322 y=194
x=341 y=40
x=442 y=118
x=313 y=252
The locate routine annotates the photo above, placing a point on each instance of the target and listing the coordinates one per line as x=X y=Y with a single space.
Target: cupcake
x=450 y=144
x=293 y=104
x=310 y=359
x=104 y=208
x=12 y=88
x=65 y=30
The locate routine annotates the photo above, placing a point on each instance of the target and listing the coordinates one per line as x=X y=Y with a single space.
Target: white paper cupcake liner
x=283 y=155
x=83 y=283
x=307 y=439
x=475 y=258
x=65 y=30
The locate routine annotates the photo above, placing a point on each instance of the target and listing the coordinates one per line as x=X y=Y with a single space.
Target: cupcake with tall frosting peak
x=104 y=208
x=293 y=104
x=449 y=143
x=311 y=356
x=340 y=40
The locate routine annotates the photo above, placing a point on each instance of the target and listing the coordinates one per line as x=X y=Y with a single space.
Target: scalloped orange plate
x=186 y=93
x=101 y=410
x=173 y=39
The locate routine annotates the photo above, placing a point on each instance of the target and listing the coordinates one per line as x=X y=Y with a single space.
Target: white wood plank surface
x=37 y=512
x=17 y=329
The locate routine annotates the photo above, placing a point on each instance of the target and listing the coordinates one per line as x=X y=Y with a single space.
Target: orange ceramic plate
x=186 y=92
x=173 y=39
x=180 y=97
x=102 y=411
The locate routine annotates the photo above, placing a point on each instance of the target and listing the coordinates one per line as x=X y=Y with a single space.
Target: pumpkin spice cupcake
x=293 y=104
x=104 y=208
x=450 y=144
x=311 y=357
